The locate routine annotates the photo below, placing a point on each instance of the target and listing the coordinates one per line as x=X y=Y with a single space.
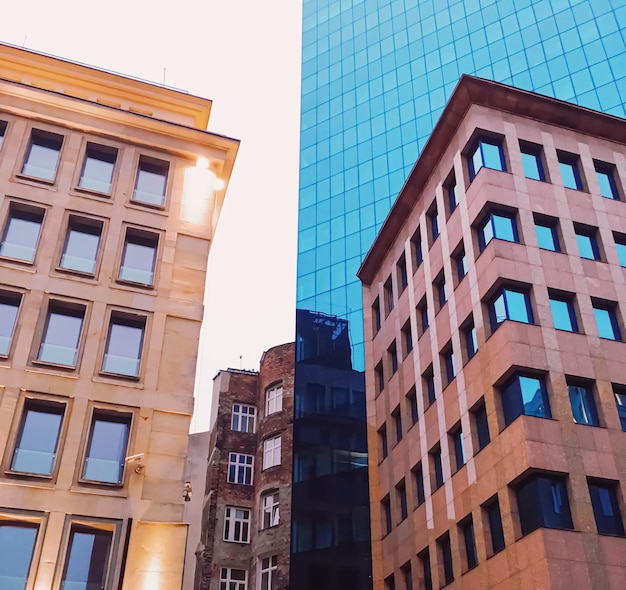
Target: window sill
x=56 y=366
x=142 y=286
x=36 y=181
x=141 y=206
x=18 y=261
x=47 y=368
x=99 y=489
x=119 y=379
x=26 y=475
x=82 y=191
x=91 y=276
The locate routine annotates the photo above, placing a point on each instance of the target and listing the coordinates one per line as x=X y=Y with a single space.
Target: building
x=494 y=302
x=109 y=201
x=244 y=494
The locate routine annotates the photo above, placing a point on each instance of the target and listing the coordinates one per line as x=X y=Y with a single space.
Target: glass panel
x=16 y=552
x=583 y=405
x=492 y=155
x=123 y=353
x=569 y=175
x=81 y=249
x=532 y=393
x=504 y=228
x=98 y=169
x=151 y=183
x=59 y=344
x=621 y=253
x=138 y=260
x=620 y=402
x=517 y=306
x=563 y=315
x=8 y=315
x=532 y=166
x=547 y=237
x=587 y=246
x=107 y=450
x=86 y=563
x=606 y=323
x=21 y=236
x=36 y=446
x=42 y=156
x=606 y=181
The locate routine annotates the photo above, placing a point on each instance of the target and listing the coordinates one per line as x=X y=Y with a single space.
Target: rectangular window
x=619 y=392
x=240 y=468
x=407 y=576
x=441 y=291
x=61 y=334
x=428 y=379
x=427 y=577
x=422 y=316
x=271 y=452
x=382 y=438
x=392 y=354
x=139 y=257
x=80 y=250
x=412 y=401
x=385 y=506
x=605 y=173
x=237 y=525
x=587 y=240
x=233 y=579
x=451 y=191
x=501 y=226
x=583 y=404
x=268 y=573
x=466 y=529
x=87 y=559
x=379 y=376
x=542 y=502
x=487 y=152
x=606 y=319
x=243 y=418
x=107 y=447
x=510 y=304
x=444 y=549
x=460 y=264
x=532 y=161
x=433 y=224
x=274 y=399
x=376 y=316
x=437 y=466
x=98 y=167
x=418 y=479
x=9 y=308
x=407 y=338
x=449 y=366
x=3 y=130
x=151 y=182
x=570 y=170
x=388 y=296
x=124 y=345
x=481 y=425
x=403 y=279
x=390 y=583
x=17 y=545
x=397 y=422
x=620 y=246
x=416 y=250
x=494 y=521
x=270 y=513
x=401 y=495
x=470 y=339
x=524 y=394
x=21 y=233
x=547 y=232
x=606 y=507
x=458 y=444
x=38 y=437
x=563 y=312
x=42 y=155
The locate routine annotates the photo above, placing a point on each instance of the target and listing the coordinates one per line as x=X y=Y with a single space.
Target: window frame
x=437 y=474
x=21 y=519
x=451 y=192
x=27 y=212
x=535 y=151
x=402 y=500
x=441 y=294
x=569 y=300
x=489 y=221
x=274 y=403
x=422 y=314
x=502 y=292
x=72 y=222
x=271 y=570
x=448 y=365
x=270 y=511
x=619 y=391
x=551 y=224
x=407 y=338
x=418 y=479
x=272 y=446
x=120 y=316
x=598 y=506
x=476 y=145
x=417 y=252
x=7 y=295
x=458 y=446
x=429 y=387
x=434 y=223
x=480 y=426
x=612 y=309
x=402 y=274
x=42 y=135
x=589 y=233
x=143 y=237
x=588 y=414
x=467 y=534
x=491 y=510
x=233 y=533
x=239 y=416
x=608 y=170
x=444 y=551
x=151 y=159
x=227 y=581
x=103 y=148
x=571 y=160
x=239 y=468
x=515 y=408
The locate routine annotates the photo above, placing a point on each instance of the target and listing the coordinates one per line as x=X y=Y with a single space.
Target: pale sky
x=245 y=56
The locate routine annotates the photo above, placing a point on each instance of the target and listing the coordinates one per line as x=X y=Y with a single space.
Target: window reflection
x=124 y=346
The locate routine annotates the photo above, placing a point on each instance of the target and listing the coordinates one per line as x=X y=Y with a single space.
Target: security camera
x=187 y=491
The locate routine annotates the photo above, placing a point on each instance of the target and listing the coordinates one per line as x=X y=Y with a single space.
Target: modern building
x=109 y=197
x=494 y=300
x=242 y=487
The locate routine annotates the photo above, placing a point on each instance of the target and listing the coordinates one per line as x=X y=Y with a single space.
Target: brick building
x=494 y=299
x=246 y=500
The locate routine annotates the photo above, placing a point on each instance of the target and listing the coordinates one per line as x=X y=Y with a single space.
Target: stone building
x=110 y=190
x=494 y=300
x=245 y=497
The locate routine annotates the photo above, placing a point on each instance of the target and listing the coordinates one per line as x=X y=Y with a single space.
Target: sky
x=245 y=56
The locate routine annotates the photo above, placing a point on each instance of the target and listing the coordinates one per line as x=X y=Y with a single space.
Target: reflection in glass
x=81 y=247
x=583 y=405
x=588 y=246
x=61 y=335
x=138 y=259
x=123 y=349
x=563 y=315
x=606 y=321
x=42 y=155
x=87 y=559
x=9 y=306
x=151 y=182
x=547 y=237
x=510 y=305
x=21 y=235
x=97 y=173
x=17 y=542
x=106 y=451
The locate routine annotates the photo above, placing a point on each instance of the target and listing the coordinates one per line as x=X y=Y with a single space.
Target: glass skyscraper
x=376 y=75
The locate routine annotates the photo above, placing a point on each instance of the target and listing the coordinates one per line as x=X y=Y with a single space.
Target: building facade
x=245 y=499
x=108 y=204
x=494 y=300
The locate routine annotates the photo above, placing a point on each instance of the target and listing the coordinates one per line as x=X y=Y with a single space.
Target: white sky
x=245 y=56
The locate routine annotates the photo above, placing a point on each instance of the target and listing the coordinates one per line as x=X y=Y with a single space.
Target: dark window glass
x=620 y=246
x=452 y=192
x=388 y=296
x=151 y=181
x=471 y=340
x=386 y=508
x=606 y=507
x=3 y=130
x=488 y=153
x=450 y=367
x=390 y=583
x=38 y=438
x=583 y=404
x=42 y=155
x=569 y=165
x=429 y=382
x=437 y=466
x=469 y=540
x=106 y=449
x=380 y=377
x=21 y=234
x=542 y=502
x=124 y=345
x=393 y=358
x=97 y=173
x=408 y=576
x=397 y=420
x=80 y=250
x=606 y=321
x=17 y=543
x=427 y=576
x=442 y=291
x=482 y=426
x=416 y=245
x=459 y=447
x=403 y=279
x=497 y=225
x=139 y=258
x=384 y=446
x=9 y=306
x=587 y=243
x=460 y=261
x=563 y=314
x=412 y=397
x=376 y=315
x=495 y=526
x=401 y=491
x=433 y=219
x=525 y=395
x=418 y=474
x=510 y=304
x=547 y=236
x=445 y=550
x=620 y=402
x=422 y=315
x=61 y=334
x=605 y=173
x=407 y=337
x=531 y=161
x=87 y=560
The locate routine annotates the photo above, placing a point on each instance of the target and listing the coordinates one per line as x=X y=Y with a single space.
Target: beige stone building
x=110 y=190
x=494 y=298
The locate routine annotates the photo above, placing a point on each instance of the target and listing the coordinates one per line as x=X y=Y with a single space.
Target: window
x=9 y=307
x=494 y=521
x=98 y=166
x=385 y=506
x=38 y=437
x=403 y=279
x=243 y=418
x=240 y=468
x=620 y=401
x=237 y=525
x=401 y=494
x=460 y=264
x=416 y=250
x=433 y=223
x=606 y=507
x=379 y=376
x=87 y=559
x=233 y=579
x=274 y=399
x=124 y=345
x=21 y=233
x=17 y=544
x=392 y=353
x=270 y=514
x=390 y=583
x=3 y=130
x=469 y=542
x=428 y=379
x=376 y=316
x=388 y=296
x=397 y=422
x=427 y=578
x=447 y=358
x=80 y=250
x=61 y=334
x=407 y=338
x=583 y=403
x=269 y=573
x=444 y=550
x=412 y=401
x=605 y=173
x=422 y=316
x=587 y=240
x=139 y=257
x=451 y=191
x=501 y=226
x=570 y=170
x=441 y=292
x=523 y=394
x=481 y=426
x=620 y=246
x=407 y=576
x=542 y=502
x=532 y=161
x=271 y=452
x=510 y=304
x=470 y=339
x=107 y=447
x=151 y=182
x=418 y=479
x=547 y=233
x=488 y=153
x=382 y=438
x=606 y=319
x=42 y=155
x=437 y=466
x=458 y=444
x=563 y=313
